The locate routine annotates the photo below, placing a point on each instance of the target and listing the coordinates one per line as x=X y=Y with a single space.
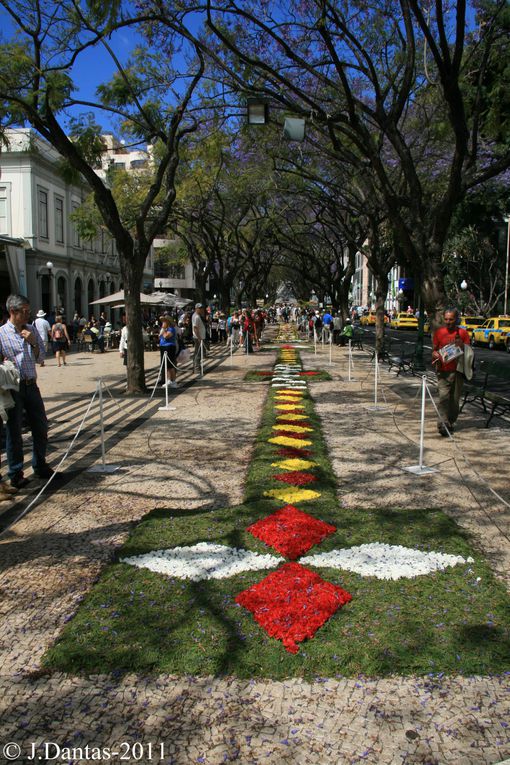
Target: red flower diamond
x=291 y=451
x=292 y=603
x=291 y=531
x=283 y=423
x=309 y=374
x=291 y=434
x=296 y=477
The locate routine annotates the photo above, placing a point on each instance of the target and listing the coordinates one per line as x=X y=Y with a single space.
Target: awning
x=157 y=298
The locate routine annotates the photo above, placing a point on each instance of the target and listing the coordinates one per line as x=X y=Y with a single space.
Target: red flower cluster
x=296 y=477
x=309 y=374
x=291 y=531
x=292 y=421
x=292 y=603
x=291 y=451
x=291 y=434
x=295 y=410
x=262 y=372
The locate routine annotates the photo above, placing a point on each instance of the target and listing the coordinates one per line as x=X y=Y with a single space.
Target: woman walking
x=59 y=340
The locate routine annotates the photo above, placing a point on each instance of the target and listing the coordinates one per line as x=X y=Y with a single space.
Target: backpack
x=58 y=334
x=318 y=323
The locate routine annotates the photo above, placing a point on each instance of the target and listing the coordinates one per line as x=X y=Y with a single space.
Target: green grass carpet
x=133 y=620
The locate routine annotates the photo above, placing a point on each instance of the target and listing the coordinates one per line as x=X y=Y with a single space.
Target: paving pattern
x=196 y=457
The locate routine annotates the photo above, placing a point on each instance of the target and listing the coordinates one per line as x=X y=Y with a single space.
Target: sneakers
x=18 y=481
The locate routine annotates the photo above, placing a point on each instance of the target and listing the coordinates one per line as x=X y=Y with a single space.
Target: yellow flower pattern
x=294 y=464
x=292 y=495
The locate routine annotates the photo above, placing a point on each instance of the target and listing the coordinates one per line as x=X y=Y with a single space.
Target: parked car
x=505 y=340
x=404 y=321
x=469 y=323
x=368 y=319
x=491 y=331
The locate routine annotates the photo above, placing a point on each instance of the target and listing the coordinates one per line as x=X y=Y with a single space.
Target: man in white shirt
x=199 y=334
x=43 y=327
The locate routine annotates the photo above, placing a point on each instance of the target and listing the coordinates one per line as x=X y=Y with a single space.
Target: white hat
x=40 y=314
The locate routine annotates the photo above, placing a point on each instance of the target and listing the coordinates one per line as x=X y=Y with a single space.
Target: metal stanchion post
x=350 y=360
x=202 y=358
x=167 y=407
x=330 y=347
x=376 y=407
x=103 y=467
x=420 y=469
x=315 y=340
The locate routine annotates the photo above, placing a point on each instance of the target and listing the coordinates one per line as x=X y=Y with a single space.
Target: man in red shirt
x=449 y=380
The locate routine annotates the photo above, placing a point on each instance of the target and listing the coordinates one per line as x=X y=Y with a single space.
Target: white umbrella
x=157 y=298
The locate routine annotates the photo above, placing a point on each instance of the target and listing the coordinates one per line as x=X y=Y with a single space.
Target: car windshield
x=475 y=321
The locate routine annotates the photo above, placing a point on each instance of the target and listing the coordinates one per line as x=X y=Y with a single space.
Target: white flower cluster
x=287 y=376
x=385 y=561
x=203 y=561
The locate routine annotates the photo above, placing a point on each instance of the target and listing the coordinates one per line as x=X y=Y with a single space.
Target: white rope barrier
x=62 y=460
x=469 y=465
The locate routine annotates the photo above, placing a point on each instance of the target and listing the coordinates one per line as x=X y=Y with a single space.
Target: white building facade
x=41 y=252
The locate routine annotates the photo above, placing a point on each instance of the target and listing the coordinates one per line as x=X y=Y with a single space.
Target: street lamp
x=49 y=266
x=507 y=221
x=257 y=111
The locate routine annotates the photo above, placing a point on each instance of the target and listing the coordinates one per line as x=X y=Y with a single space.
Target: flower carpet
x=290 y=582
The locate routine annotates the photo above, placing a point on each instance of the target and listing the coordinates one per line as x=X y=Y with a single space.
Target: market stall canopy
x=167 y=299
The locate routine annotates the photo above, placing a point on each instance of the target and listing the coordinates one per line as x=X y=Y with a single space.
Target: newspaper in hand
x=450 y=353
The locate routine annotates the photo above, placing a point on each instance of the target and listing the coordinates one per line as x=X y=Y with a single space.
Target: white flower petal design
x=385 y=561
x=203 y=561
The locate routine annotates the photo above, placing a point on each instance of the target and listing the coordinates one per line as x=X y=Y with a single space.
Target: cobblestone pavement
x=50 y=558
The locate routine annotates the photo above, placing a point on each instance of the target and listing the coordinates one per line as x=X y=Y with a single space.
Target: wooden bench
x=493 y=373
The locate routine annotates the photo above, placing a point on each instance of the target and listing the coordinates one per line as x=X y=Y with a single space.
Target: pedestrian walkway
x=194 y=458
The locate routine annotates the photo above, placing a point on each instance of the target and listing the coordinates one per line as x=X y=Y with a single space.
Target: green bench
x=494 y=403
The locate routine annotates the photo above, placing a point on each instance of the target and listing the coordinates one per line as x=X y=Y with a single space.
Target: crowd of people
x=24 y=345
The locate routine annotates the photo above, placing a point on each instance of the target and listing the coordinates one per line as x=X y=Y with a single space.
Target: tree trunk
x=381 y=291
x=432 y=289
x=132 y=273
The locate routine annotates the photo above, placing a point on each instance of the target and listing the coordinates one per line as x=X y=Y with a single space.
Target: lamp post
x=507 y=221
x=463 y=298
x=257 y=112
x=108 y=278
x=49 y=266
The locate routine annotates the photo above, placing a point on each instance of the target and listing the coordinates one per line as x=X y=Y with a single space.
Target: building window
x=4 y=218
x=59 y=220
x=42 y=208
x=76 y=235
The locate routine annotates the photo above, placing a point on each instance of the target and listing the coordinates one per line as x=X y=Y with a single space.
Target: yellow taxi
x=505 y=340
x=404 y=321
x=469 y=323
x=368 y=319
x=491 y=331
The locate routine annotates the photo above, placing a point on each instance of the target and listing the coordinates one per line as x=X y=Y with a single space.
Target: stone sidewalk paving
x=50 y=559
